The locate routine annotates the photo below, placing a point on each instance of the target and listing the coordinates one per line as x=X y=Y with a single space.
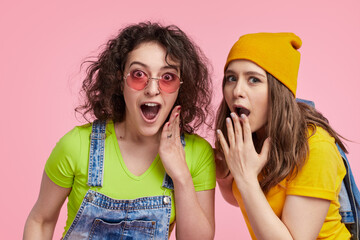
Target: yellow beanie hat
x=276 y=53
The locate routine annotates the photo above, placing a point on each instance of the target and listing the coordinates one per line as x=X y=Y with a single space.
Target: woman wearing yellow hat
x=276 y=158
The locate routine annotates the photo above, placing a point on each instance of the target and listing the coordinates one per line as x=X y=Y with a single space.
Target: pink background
x=42 y=45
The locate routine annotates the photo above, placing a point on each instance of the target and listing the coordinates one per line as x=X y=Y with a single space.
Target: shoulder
x=71 y=146
x=75 y=136
x=324 y=157
x=83 y=132
x=197 y=146
x=323 y=170
x=319 y=135
x=195 y=141
x=322 y=145
x=65 y=160
x=198 y=150
x=200 y=160
x=321 y=140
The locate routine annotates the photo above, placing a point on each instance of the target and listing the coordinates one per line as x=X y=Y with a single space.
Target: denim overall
x=101 y=217
x=349 y=196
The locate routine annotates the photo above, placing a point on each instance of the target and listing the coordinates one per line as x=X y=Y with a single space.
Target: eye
x=169 y=77
x=230 y=78
x=138 y=74
x=254 y=80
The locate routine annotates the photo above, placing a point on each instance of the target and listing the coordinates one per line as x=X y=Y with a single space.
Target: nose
x=239 y=89
x=152 y=87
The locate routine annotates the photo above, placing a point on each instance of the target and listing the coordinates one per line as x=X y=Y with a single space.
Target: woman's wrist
x=184 y=179
x=246 y=184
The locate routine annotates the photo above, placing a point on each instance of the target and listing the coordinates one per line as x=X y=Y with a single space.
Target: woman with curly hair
x=276 y=158
x=139 y=167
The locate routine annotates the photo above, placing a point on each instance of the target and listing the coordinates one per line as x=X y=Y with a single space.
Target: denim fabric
x=102 y=217
x=96 y=156
x=182 y=139
x=350 y=218
x=308 y=102
x=345 y=207
x=349 y=196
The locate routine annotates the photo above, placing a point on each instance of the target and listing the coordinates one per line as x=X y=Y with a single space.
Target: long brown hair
x=287 y=126
x=102 y=85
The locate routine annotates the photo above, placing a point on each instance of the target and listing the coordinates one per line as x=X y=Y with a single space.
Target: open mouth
x=241 y=110
x=150 y=110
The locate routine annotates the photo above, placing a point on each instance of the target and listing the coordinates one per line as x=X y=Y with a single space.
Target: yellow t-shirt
x=320 y=177
x=67 y=166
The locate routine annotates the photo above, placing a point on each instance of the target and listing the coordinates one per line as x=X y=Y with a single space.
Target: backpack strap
x=349 y=194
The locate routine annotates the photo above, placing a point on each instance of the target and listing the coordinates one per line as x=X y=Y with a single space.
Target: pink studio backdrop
x=43 y=43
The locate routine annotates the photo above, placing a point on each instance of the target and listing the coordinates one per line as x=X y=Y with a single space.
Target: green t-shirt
x=67 y=167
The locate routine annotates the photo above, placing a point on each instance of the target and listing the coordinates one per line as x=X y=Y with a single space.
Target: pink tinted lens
x=169 y=82
x=137 y=80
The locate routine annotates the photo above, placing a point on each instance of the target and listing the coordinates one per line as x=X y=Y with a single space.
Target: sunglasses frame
x=151 y=78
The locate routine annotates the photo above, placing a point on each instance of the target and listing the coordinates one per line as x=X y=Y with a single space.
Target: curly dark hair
x=102 y=86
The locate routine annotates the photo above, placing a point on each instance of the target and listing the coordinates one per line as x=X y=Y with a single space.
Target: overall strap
x=96 y=155
x=168 y=182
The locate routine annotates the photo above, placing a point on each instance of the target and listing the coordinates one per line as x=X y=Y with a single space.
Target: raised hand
x=171 y=151
x=241 y=157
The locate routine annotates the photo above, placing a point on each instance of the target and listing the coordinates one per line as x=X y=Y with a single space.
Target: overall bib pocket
x=136 y=229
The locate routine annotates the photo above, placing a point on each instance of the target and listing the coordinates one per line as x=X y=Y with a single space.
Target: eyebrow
x=174 y=67
x=255 y=73
x=246 y=73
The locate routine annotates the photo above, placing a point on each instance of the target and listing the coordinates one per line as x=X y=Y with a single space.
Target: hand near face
x=241 y=157
x=171 y=151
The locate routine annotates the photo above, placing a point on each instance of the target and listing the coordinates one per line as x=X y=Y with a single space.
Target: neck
x=261 y=133
x=259 y=137
x=125 y=131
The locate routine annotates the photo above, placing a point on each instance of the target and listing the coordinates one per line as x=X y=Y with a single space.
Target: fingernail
x=176 y=115
x=218 y=131
x=233 y=115
x=178 y=108
x=228 y=120
x=242 y=116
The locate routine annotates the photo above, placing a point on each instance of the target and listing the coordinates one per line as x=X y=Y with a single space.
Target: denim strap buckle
x=98 y=136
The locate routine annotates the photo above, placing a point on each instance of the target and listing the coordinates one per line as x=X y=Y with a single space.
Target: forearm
x=262 y=218
x=44 y=215
x=225 y=185
x=191 y=221
x=37 y=228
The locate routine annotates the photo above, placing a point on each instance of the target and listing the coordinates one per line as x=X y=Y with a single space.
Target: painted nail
x=176 y=115
x=218 y=131
x=233 y=115
x=242 y=116
x=228 y=120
